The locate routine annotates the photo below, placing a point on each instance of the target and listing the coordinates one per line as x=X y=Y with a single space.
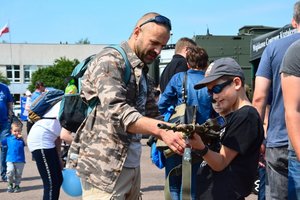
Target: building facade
x=19 y=61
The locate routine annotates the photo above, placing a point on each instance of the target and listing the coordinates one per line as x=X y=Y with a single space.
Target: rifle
x=209 y=131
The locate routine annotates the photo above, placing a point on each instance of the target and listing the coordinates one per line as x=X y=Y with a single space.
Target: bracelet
x=202 y=152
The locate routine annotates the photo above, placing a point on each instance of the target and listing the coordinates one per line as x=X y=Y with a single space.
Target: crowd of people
x=108 y=162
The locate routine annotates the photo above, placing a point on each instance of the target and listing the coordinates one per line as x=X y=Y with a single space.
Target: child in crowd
x=229 y=174
x=15 y=159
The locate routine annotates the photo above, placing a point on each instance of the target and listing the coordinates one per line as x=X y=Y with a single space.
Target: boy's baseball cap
x=218 y=68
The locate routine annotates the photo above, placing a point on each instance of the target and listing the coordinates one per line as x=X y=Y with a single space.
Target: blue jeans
x=262 y=183
x=294 y=176
x=175 y=181
x=4 y=132
x=277 y=173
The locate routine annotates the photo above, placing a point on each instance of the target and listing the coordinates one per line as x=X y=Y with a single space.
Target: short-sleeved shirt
x=269 y=67
x=243 y=134
x=5 y=98
x=44 y=132
x=291 y=61
x=15 y=150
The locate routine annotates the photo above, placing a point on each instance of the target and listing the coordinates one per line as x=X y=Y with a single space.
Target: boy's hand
x=19 y=136
x=196 y=142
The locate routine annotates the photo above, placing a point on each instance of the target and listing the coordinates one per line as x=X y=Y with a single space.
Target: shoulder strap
x=184 y=89
x=186 y=174
x=78 y=72
x=81 y=72
x=48 y=118
x=93 y=102
x=127 y=63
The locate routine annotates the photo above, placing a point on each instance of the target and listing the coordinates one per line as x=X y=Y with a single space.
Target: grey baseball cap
x=218 y=68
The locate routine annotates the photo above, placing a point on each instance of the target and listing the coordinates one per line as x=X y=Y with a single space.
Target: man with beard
x=110 y=149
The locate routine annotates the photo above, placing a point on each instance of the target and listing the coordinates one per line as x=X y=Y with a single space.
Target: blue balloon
x=71 y=184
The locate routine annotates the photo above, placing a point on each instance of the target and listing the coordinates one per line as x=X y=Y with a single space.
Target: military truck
x=259 y=43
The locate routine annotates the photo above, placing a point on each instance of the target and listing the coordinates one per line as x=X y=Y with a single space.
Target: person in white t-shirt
x=44 y=144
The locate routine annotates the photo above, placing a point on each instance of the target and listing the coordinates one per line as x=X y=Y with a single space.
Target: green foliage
x=3 y=79
x=83 y=41
x=54 y=76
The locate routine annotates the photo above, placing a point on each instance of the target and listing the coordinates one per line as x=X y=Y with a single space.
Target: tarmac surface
x=152 y=185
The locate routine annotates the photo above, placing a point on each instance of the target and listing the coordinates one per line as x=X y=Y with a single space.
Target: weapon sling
x=185 y=168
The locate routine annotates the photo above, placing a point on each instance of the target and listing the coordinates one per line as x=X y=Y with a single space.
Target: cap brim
x=205 y=81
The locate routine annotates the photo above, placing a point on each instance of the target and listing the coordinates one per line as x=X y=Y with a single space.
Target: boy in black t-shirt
x=229 y=174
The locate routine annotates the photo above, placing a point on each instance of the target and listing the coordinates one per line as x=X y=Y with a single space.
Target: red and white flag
x=5 y=29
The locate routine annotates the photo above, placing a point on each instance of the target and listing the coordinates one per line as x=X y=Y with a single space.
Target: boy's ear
x=294 y=23
x=237 y=82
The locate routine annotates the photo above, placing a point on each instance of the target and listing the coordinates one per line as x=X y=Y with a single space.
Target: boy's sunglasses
x=159 y=19
x=218 y=88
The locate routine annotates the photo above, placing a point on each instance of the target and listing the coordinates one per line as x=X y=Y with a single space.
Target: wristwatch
x=202 y=152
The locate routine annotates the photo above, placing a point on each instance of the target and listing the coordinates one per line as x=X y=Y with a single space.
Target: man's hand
x=175 y=141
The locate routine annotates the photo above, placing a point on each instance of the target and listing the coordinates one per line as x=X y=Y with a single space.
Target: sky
x=112 y=21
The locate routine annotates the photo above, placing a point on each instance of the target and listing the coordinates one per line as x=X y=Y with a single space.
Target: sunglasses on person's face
x=159 y=20
x=218 y=88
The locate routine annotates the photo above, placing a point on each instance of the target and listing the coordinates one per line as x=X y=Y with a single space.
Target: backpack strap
x=127 y=63
x=48 y=117
x=80 y=74
x=77 y=76
x=93 y=102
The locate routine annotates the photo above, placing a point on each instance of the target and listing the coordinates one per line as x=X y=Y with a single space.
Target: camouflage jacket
x=103 y=138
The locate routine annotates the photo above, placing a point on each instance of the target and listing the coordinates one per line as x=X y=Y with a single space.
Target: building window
x=13 y=73
x=28 y=70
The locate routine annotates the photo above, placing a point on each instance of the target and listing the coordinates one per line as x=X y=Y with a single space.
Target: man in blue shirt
x=268 y=78
x=6 y=107
x=39 y=89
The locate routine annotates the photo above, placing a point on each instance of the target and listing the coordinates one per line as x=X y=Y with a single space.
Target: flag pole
x=11 y=60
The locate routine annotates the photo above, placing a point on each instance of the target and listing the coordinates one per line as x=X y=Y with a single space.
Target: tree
x=4 y=80
x=54 y=76
x=83 y=41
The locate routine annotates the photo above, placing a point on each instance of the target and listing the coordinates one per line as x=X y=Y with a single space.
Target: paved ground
x=32 y=188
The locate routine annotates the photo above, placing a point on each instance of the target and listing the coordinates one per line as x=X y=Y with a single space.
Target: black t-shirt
x=244 y=134
x=177 y=64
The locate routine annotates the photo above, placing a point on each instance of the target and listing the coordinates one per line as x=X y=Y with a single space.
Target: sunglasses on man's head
x=218 y=88
x=159 y=19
